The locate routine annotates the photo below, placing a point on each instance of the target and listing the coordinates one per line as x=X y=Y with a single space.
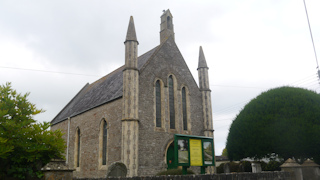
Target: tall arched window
x=158 y=104
x=77 y=149
x=184 y=109
x=104 y=143
x=171 y=103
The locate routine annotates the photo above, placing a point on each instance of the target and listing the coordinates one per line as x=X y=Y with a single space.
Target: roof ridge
x=107 y=75
x=116 y=70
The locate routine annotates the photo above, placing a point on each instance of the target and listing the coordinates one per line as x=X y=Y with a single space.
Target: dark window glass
x=184 y=109
x=78 y=155
x=171 y=103
x=158 y=104
x=104 y=144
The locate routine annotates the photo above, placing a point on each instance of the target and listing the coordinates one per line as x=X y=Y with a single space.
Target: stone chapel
x=132 y=114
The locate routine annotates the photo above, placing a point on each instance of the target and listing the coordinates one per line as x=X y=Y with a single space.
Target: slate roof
x=104 y=90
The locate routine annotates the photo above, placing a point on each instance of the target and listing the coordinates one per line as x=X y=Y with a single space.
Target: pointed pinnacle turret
x=202 y=59
x=131 y=33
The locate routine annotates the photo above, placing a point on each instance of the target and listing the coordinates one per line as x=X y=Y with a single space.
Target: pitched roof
x=104 y=90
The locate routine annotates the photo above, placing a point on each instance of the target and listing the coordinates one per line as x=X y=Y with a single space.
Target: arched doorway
x=170 y=157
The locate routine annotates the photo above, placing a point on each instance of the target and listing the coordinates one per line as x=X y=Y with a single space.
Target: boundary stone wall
x=277 y=175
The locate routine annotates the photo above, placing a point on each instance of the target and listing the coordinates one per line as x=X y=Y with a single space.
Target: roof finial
x=131 y=33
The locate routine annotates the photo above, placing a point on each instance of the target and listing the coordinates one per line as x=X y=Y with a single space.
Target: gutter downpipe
x=67 y=156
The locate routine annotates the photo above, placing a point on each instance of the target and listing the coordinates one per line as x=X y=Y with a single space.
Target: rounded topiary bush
x=283 y=121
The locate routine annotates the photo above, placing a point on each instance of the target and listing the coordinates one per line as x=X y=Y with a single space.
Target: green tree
x=283 y=121
x=225 y=152
x=25 y=146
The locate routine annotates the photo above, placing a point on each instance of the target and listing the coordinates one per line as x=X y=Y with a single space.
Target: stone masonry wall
x=89 y=124
x=235 y=176
x=153 y=141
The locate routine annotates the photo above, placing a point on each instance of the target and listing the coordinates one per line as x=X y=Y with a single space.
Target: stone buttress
x=206 y=95
x=130 y=119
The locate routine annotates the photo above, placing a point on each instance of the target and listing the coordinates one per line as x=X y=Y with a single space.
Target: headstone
x=241 y=167
x=256 y=167
x=57 y=169
x=226 y=168
x=117 y=169
x=291 y=165
x=310 y=170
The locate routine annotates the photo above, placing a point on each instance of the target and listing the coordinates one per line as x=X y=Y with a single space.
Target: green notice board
x=193 y=150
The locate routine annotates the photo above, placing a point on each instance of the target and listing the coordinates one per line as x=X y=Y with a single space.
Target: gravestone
x=57 y=169
x=310 y=170
x=117 y=169
x=291 y=165
x=226 y=168
x=256 y=167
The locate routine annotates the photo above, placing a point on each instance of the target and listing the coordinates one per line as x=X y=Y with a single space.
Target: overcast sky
x=250 y=46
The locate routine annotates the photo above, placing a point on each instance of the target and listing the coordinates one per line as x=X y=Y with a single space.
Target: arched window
x=158 y=104
x=171 y=103
x=104 y=143
x=77 y=149
x=184 y=109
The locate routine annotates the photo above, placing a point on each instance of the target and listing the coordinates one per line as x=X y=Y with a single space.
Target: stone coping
x=309 y=163
x=56 y=165
x=290 y=163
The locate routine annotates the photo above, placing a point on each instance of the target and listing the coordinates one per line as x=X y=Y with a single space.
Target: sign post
x=193 y=151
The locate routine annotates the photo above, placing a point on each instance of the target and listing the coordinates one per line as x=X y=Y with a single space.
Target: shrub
x=273 y=166
x=246 y=165
x=263 y=165
x=220 y=168
x=174 y=172
x=234 y=167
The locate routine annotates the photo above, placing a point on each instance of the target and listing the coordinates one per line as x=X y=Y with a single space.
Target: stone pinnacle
x=202 y=59
x=131 y=33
